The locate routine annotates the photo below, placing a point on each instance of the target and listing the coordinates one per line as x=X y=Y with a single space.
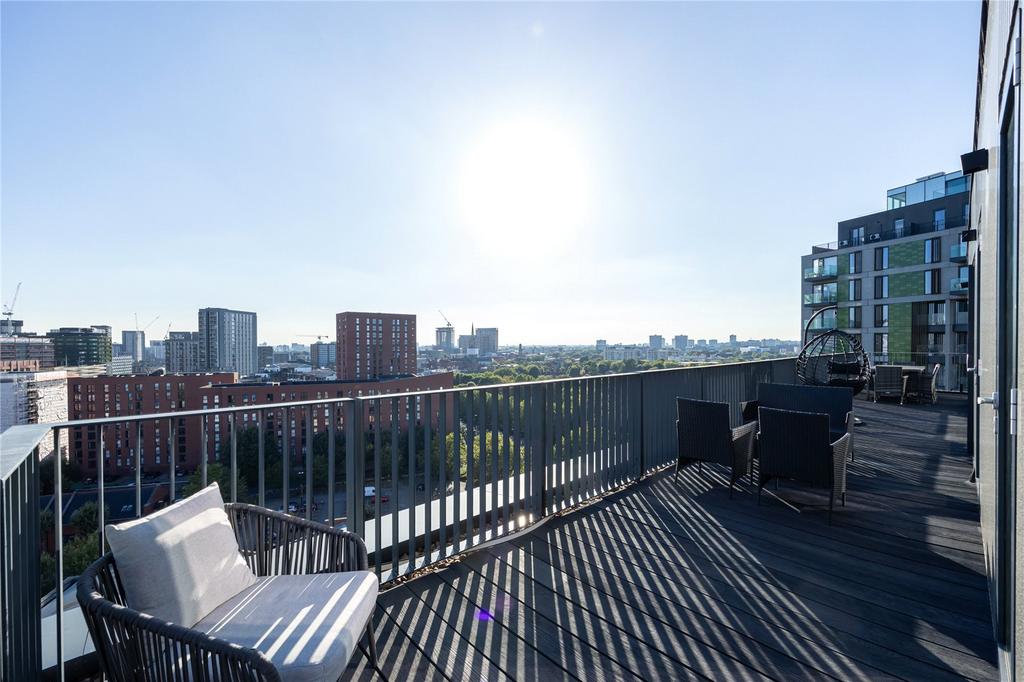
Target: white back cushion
x=181 y=562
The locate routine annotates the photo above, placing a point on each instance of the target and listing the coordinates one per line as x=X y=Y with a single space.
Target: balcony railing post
x=541 y=448
x=354 y=456
x=642 y=460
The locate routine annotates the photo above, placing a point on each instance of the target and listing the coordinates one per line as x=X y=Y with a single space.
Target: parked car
x=370 y=493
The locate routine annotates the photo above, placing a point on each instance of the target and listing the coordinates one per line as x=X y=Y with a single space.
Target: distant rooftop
x=926 y=188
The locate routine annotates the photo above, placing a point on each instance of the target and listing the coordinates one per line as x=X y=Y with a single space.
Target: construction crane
x=318 y=337
x=9 y=310
x=148 y=324
x=446 y=320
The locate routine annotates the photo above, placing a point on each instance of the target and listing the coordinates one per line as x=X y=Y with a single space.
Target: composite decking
x=675 y=580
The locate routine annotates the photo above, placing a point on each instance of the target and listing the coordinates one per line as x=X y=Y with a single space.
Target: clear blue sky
x=563 y=172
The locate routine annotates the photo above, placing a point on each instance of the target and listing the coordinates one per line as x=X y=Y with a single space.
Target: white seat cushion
x=181 y=562
x=307 y=625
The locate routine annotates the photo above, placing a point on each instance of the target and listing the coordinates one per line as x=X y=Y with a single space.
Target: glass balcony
x=821 y=272
x=958 y=252
x=958 y=286
x=820 y=298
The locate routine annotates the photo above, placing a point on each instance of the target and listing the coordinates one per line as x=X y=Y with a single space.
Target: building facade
x=35 y=398
x=656 y=341
x=897 y=279
x=227 y=341
x=181 y=352
x=680 y=341
x=74 y=346
x=323 y=354
x=444 y=338
x=996 y=289
x=487 y=340
x=133 y=343
x=264 y=356
x=94 y=397
x=19 y=349
x=375 y=345
x=120 y=365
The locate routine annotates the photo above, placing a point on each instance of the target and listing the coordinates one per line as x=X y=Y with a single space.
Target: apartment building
x=375 y=345
x=74 y=346
x=18 y=350
x=323 y=354
x=106 y=396
x=181 y=352
x=36 y=397
x=897 y=279
x=227 y=341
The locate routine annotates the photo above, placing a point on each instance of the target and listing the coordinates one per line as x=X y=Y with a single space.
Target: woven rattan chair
x=136 y=646
x=890 y=383
x=797 y=445
x=926 y=385
x=704 y=435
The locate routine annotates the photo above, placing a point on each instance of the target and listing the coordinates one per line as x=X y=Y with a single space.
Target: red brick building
x=232 y=395
x=90 y=398
x=375 y=345
x=114 y=396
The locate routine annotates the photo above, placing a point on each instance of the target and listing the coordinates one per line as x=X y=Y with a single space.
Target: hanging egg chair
x=833 y=358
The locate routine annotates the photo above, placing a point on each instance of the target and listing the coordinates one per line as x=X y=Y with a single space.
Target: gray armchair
x=797 y=445
x=926 y=385
x=302 y=619
x=703 y=433
x=890 y=383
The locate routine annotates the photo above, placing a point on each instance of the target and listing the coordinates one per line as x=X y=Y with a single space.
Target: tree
x=215 y=471
x=86 y=518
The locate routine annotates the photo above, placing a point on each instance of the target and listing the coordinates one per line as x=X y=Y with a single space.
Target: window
x=854 y=286
x=967 y=212
x=940 y=219
x=897 y=227
x=881 y=344
x=882 y=286
x=936 y=342
x=857 y=235
x=937 y=313
x=881 y=315
x=855 y=262
x=882 y=258
x=855 y=321
x=931 y=282
x=933 y=250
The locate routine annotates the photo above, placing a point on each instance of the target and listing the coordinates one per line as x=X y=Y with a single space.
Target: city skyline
x=261 y=157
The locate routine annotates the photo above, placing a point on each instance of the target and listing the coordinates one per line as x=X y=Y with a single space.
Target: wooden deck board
x=676 y=580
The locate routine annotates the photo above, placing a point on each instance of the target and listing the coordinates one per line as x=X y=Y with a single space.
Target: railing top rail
x=120 y=419
x=17 y=444
x=586 y=377
x=194 y=413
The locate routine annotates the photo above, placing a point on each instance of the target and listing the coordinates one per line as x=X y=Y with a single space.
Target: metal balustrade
x=458 y=467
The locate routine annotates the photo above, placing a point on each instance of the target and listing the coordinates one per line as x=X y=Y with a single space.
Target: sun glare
x=524 y=177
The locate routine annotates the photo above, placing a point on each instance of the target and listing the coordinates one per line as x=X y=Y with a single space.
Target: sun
x=526 y=178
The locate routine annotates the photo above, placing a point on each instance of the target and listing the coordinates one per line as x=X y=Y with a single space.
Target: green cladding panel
x=906 y=284
x=843 y=265
x=910 y=253
x=842 y=289
x=842 y=318
x=900 y=316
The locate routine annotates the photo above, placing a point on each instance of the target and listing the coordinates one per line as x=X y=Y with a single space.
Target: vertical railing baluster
x=172 y=452
x=102 y=492
x=485 y=453
x=377 y=492
x=203 y=467
x=354 y=469
x=428 y=497
x=506 y=508
x=58 y=543
x=456 y=472
x=138 y=469
x=494 y=463
x=410 y=421
x=516 y=463
x=309 y=461
x=286 y=432
x=261 y=456
x=395 y=505
x=332 y=453
x=442 y=483
x=470 y=438
x=233 y=424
